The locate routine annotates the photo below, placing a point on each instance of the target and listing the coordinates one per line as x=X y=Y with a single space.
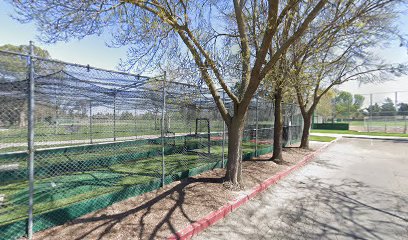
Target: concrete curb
x=205 y=222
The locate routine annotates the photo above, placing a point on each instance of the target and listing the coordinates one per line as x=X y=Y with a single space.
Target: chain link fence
x=387 y=123
x=385 y=112
x=74 y=139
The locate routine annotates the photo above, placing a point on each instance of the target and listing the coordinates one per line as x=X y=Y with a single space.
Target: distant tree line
x=387 y=108
x=344 y=105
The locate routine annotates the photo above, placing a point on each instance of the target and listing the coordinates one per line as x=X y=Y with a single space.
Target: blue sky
x=91 y=50
x=94 y=51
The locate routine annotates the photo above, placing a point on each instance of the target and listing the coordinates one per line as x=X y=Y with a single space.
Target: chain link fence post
x=135 y=121
x=256 y=126
x=31 y=108
x=56 y=116
x=223 y=136
x=370 y=118
x=272 y=119
x=90 y=122
x=114 y=116
x=162 y=128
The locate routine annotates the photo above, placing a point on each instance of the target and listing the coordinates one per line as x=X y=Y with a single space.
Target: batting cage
x=75 y=139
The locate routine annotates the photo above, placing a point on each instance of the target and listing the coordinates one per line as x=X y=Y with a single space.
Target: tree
x=276 y=90
x=280 y=79
x=325 y=106
x=126 y=116
x=358 y=104
x=278 y=87
x=348 y=105
x=340 y=52
x=374 y=110
x=343 y=104
x=358 y=101
x=153 y=27
x=388 y=108
x=13 y=80
x=403 y=109
x=13 y=66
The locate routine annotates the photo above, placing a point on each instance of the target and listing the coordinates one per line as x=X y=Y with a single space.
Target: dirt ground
x=161 y=213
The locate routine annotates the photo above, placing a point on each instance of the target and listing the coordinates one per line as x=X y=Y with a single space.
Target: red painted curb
x=213 y=217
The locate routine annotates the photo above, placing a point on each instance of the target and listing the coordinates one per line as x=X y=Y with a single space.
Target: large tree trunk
x=278 y=128
x=234 y=165
x=307 y=122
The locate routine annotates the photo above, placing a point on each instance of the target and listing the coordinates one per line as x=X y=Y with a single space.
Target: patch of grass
x=359 y=133
x=100 y=130
x=321 y=138
x=39 y=147
x=394 y=123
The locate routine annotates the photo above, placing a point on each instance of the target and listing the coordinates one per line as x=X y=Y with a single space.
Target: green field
x=321 y=138
x=400 y=123
x=100 y=130
x=39 y=147
x=81 y=130
x=359 y=133
x=47 y=136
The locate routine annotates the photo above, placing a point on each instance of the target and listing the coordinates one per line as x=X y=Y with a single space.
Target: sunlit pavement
x=356 y=189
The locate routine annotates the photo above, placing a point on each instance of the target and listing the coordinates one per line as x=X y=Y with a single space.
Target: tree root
x=233 y=187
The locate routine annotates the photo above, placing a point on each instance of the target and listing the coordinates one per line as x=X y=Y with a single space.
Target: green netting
x=99 y=185
x=107 y=192
x=83 y=158
x=331 y=126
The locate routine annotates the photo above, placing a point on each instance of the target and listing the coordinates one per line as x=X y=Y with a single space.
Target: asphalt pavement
x=355 y=189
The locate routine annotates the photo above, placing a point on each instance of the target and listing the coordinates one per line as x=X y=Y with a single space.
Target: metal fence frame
x=371 y=117
x=253 y=132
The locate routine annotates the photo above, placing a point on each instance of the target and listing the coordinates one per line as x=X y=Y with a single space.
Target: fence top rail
x=79 y=65
x=203 y=94
x=158 y=78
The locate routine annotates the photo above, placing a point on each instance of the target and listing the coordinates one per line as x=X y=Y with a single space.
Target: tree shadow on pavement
x=349 y=209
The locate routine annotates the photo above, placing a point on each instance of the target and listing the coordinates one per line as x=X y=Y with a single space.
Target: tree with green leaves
x=14 y=83
x=374 y=110
x=325 y=107
x=225 y=41
x=348 y=105
x=14 y=67
x=343 y=104
x=388 y=108
x=403 y=109
x=332 y=54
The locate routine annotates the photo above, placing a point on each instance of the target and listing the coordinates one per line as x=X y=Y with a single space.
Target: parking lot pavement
x=355 y=189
